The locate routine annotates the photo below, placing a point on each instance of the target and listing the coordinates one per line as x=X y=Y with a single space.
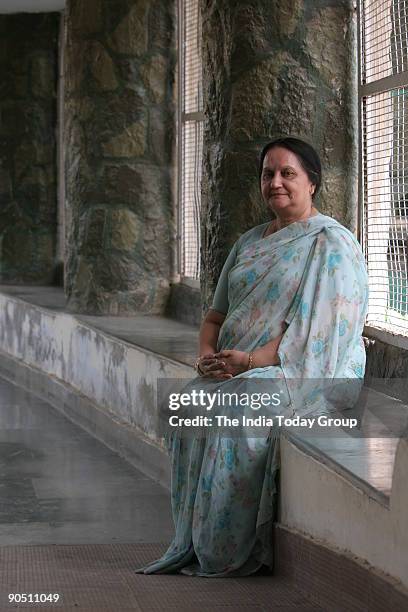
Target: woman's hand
x=234 y=362
x=211 y=366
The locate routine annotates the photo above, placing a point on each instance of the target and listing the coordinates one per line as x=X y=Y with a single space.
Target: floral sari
x=309 y=279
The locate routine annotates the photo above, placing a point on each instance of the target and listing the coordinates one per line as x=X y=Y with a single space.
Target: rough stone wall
x=28 y=207
x=119 y=113
x=185 y=304
x=272 y=68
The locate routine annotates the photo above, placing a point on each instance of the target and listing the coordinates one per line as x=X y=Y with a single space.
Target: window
x=383 y=90
x=190 y=137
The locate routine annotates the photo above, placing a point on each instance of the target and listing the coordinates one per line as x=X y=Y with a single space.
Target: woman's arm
x=237 y=362
x=209 y=331
x=207 y=364
x=229 y=363
x=267 y=354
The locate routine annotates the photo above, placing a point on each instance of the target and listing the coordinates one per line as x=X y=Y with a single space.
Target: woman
x=290 y=305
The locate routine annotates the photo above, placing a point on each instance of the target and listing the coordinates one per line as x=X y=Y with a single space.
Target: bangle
x=250 y=361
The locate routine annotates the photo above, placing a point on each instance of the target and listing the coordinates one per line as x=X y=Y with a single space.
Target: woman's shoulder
x=333 y=229
x=335 y=240
x=253 y=234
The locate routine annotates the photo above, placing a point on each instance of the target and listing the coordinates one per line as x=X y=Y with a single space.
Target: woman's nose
x=276 y=180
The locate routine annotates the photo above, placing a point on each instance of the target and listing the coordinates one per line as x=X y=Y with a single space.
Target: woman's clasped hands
x=223 y=365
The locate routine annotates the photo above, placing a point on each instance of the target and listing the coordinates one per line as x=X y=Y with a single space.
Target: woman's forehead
x=279 y=156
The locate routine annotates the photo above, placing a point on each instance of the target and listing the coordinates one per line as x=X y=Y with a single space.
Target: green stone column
x=119 y=117
x=28 y=174
x=273 y=68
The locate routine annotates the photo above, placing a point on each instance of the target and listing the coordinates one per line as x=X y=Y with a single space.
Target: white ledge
x=386 y=336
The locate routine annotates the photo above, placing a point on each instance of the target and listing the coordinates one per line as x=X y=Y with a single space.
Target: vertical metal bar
x=179 y=221
x=197 y=198
x=360 y=215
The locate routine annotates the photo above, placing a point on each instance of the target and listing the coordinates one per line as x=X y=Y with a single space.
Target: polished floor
x=76 y=520
x=59 y=485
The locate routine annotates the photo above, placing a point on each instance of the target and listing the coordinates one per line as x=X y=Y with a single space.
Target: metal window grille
x=383 y=91
x=190 y=137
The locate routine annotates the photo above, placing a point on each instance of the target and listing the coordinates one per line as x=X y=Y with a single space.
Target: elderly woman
x=290 y=304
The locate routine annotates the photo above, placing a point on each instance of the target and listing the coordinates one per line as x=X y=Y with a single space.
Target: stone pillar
x=28 y=194
x=273 y=68
x=119 y=114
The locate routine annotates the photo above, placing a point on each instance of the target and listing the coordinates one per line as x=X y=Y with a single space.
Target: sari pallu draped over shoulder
x=308 y=280
x=310 y=277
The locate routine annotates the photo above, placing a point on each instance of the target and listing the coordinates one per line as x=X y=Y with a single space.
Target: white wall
x=119 y=377
x=319 y=502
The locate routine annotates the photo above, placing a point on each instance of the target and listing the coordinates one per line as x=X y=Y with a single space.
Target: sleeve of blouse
x=220 y=301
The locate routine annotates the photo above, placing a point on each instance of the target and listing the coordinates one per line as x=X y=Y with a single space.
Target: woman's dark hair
x=305 y=153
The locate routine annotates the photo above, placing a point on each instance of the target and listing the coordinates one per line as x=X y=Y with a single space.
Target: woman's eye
x=288 y=173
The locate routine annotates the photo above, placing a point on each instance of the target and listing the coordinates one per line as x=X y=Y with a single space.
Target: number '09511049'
x=33 y=597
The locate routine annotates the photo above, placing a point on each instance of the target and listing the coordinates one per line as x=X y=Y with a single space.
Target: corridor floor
x=76 y=519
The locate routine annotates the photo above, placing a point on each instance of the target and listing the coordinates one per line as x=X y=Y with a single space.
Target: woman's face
x=286 y=188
